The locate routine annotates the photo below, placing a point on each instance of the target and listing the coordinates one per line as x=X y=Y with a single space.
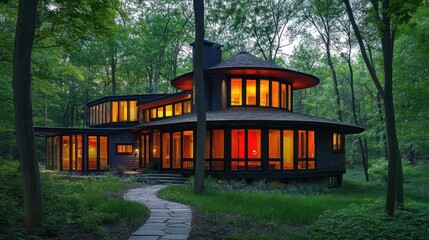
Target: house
x=252 y=131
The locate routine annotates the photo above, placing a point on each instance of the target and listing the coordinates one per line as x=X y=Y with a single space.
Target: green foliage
x=369 y=221
x=378 y=170
x=87 y=205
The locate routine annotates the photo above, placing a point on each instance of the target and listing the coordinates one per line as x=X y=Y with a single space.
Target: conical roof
x=245 y=64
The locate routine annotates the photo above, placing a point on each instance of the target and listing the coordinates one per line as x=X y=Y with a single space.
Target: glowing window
x=306 y=150
x=283 y=96
x=176 y=150
x=250 y=92
x=275 y=93
x=156 y=139
x=65 y=152
x=311 y=145
x=166 y=150
x=123 y=111
x=236 y=92
x=253 y=143
x=274 y=143
x=187 y=106
x=337 y=142
x=104 y=153
x=169 y=110
x=288 y=150
x=160 y=111
x=124 y=148
x=188 y=144
x=153 y=113
x=92 y=152
x=218 y=144
x=108 y=112
x=264 y=93
x=115 y=111
x=146 y=115
x=289 y=96
x=178 y=109
x=237 y=143
x=302 y=144
x=133 y=111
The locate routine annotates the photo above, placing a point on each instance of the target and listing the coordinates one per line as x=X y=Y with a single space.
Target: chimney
x=212 y=53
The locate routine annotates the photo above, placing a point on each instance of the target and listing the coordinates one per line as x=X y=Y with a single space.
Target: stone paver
x=168 y=220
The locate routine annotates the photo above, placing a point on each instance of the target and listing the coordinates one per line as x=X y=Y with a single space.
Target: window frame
x=340 y=147
x=124 y=144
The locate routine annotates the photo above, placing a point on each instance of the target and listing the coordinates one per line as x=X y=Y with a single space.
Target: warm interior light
x=236 y=92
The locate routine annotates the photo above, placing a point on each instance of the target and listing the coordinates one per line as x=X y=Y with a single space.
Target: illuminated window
x=275 y=93
x=289 y=96
x=65 y=153
x=187 y=106
x=160 y=111
x=123 y=111
x=237 y=143
x=104 y=154
x=236 y=92
x=283 y=96
x=153 y=113
x=218 y=144
x=146 y=115
x=306 y=150
x=176 y=150
x=108 y=112
x=115 y=111
x=156 y=139
x=92 y=152
x=166 y=150
x=337 y=142
x=124 y=148
x=264 y=93
x=188 y=144
x=169 y=110
x=288 y=150
x=274 y=143
x=254 y=143
x=250 y=92
x=133 y=111
x=178 y=109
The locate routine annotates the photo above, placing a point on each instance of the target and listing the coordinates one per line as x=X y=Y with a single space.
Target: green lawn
x=274 y=207
x=75 y=208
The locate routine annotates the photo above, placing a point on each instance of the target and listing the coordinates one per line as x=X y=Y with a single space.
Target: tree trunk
x=113 y=72
x=199 y=96
x=335 y=80
x=33 y=203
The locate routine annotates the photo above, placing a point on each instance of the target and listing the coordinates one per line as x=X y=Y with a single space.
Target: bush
x=369 y=221
x=378 y=170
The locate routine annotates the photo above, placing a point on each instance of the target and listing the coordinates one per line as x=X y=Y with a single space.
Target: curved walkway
x=168 y=220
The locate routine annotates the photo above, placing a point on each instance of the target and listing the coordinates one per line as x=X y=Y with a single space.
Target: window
x=133 y=111
x=245 y=149
x=187 y=106
x=283 y=96
x=250 y=92
x=153 y=113
x=166 y=150
x=156 y=139
x=288 y=155
x=115 y=111
x=98 y=153
x=236 y=92
x=108 y=112
x=65 y=158
x=169 y=110
x=124 y=148
x=337 y=142
x=178 y=109
x=275 y=94
x=188 y=149
x=274 y=149
x=264 y=93
x=92 y=152
x=146 y=115
x=306 y=150
x=176 y=150
x=289 y=96
x=104 y=154
x=123 y=111
x=218 y=144
x=160 y=111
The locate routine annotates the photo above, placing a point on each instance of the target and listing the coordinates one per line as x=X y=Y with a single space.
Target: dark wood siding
x=327 y=160
x=127 y=161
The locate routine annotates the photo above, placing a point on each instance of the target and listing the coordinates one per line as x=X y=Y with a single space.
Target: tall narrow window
x=97 y=116
x=108 y=114
x=104 y=153
x=250 y=92
x=237 y=143
x=218 y=144
x=91 y=114
x=337 y=142
x=73 y=153
x=169 y=110
x=288 y=150
x=147 y=149
x=115 y=115
x=160 y=111
x=92 y=152
x=283 y=96
x=176 y=150
x=146 y=115
x=79 y=152
x=275 y=94
x=264 y=93
x=187 y=106
x=156 y=141
x=123 y=111
x=253 y=143
x=236 y=92
x=133 y=111
x=103 y=113
x=65 y=152
x=311 y=150
x=274 y=143
x=188 y=144
x=302 y=144
x=177 y=109
x=289 y=96
x=166 y=150
x=153 y=113
x=306 y=150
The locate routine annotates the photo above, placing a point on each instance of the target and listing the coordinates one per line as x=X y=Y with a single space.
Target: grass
x=75 y=208
x=280 y=211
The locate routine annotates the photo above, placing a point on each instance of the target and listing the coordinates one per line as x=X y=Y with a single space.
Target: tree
x=25 y=26
x=199 y=96
x=386 y=18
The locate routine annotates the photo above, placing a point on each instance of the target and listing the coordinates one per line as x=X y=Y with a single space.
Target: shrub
x=378 y=170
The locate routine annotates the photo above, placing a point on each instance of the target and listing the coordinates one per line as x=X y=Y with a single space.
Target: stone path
x=168 y=220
